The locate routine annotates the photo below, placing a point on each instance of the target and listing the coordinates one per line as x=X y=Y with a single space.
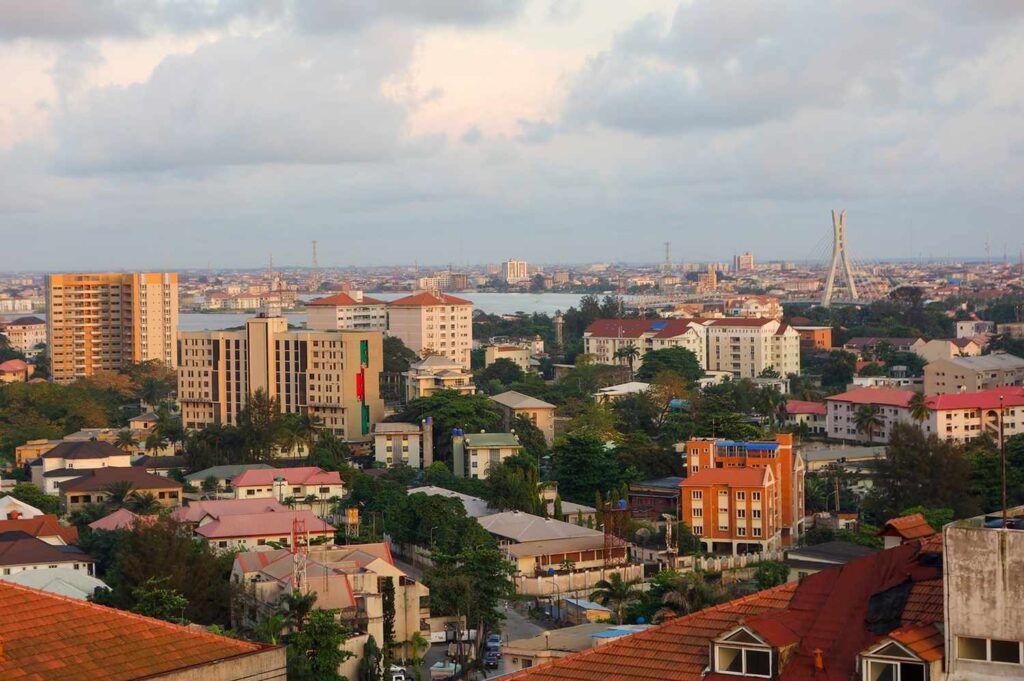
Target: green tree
x=630 y=353
x=450 y=409
x=418 y=645
x=298 y=605
x=582 y=465
x=531 y=437
x=919 y=409
x=314 y=651
x=397 y=357
x=680 y=361
x=259 y=424
x=269 y=628
x=33 y=496
x=143 y=503
x=153 y=599
x=371 y=665
x=616 y=593
x=936 y=517
x=770 y=573
x=868 y=420
x=514 y=485
x=126 y=441
x=681 y=594
x=118 y=493
x=388 y=606
x=504 y=371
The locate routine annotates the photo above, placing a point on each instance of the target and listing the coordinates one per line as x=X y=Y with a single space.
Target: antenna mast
x=314 y=278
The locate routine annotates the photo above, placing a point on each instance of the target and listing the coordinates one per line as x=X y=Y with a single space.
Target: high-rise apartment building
x=514 y=271
x=433 y=323
x=743 y=262
x=350 y=311
x=332 y=375
x=107 y=321
x=747 y=347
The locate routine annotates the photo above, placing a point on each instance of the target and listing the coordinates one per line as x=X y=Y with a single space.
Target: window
x=697 y=494
x=743 y=661
x=250 y=492
x=755 y=496
x=741 y=496
x=988 y=650
x=222 y=544
x=698 y=530
x=741 y=532
x=697 y=512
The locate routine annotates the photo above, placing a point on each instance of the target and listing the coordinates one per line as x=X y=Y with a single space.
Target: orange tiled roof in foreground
x=48 y=637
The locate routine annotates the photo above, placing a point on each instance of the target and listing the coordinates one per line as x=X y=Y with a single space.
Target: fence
x=572 y=582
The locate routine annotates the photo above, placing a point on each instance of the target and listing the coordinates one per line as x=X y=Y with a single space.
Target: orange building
x=107 y=321
x=733 y=510
x=815 y=337
x=786 y=465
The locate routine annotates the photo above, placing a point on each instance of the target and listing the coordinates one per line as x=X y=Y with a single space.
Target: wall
x=265 y=665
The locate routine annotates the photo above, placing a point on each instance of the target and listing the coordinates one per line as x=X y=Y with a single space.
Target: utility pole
x=1002 y=458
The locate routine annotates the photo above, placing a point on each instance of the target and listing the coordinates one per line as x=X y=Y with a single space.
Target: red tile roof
x=742 y=321
x=13 y=366
x=41 y=526
x=907 y=526
x=804 y=407
x=429 y=298
x=924 y=641
x=99 y=479
x=889 y=397
x=734 y=477
x=983 y=399
x=121 y=519
x=19 y=548
x=54 y=638
x=262 y=525
x=303 y=475
x=635 y=328
x=828 y=611
x=343 y=300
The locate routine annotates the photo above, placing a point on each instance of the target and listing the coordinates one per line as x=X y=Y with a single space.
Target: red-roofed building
x=434 y=321
x=733 y=510
x=747 y=347
x=349 y=310
x=891 y=405
x=605 y=337
x=875 y=615
x=966 y=416
x=282 y=483
x=55 y=638
x=45 y=527
x=244 y=531
x=15 y=371
x=812 y=415
x=905 y=528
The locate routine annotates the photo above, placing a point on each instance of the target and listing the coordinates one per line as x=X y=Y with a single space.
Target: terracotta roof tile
x=887 y=396
x=55 y=638
x=343 y=300
x=736 y=477
x=924 y=641
x=41 y=526
x=302 y=475
x=428 y=298
x=907 y=526
x=634 y=328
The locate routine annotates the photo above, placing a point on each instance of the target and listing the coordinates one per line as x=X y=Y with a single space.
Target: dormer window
x=742 y=653
x=892 y=662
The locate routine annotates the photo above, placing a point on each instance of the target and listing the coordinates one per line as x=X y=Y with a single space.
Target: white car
x=399 y=674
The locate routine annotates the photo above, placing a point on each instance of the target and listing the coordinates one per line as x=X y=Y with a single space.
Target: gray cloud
x=244 y=101
x=331 y=15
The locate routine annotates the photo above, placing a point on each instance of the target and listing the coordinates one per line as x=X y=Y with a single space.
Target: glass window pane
x=759 y=662
x=911 y=671
x=1005 y=651
x=968 y=648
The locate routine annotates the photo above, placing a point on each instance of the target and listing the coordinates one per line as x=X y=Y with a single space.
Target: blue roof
x=756 y=446
x=657 y=326
x=612 y=633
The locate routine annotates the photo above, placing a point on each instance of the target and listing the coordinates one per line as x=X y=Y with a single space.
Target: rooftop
x=908 y=527
x=83 y=449
x=836 y=552
x=225 y=472
x=488 y=440
x=525 y=527
x=394 y=427
x=475 y=506
x=993 y=362
x=516 y=400
x=98 y=479
x=635 y=328
x=890 y=397
x=25 y=321
x=304 y=475
x=21 y=548
x=732 y=477
x=804 y=407
x=262 y=524
x=429 y=298
x=343 y=300
x=1010 y=396
x=59 y=638
x=41 y=526
x=215 y=508
x=60 y=581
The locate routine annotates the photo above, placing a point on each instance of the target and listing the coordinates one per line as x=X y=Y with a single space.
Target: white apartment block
x=746 y=347
x=891 y=406
x=605 y=337
x=347 y=311
x=434 y=323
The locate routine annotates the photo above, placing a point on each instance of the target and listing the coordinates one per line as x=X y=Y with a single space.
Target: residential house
x=434 y=323
x=63 y=581
x=223 y=475
x=67 y=461
x=947 y=348
x=250 y=531
x=652 y=499
x=891 y=407
x=347 y=578
x=94 y=486
x=815 y=337
x=15 y=371
x=528 y=653
x=13 y=509
x=411 y=444
x=347 y=311
x=876 y=618
x=966 y=416
x=25 y=334
x=866 y=347
x=613 y=393
x=971 y=374
x=195 y=512
x=897 y=531
x=435 y=373
x=605 y=338
x=20 y=551
x=809 y=416
x=473 y=454
x=788 y=470
x=753 y=306
x=538 y=412
x=121 y=519
x=56 y=638
x=972 y=328
x=513 y=353
x=44 y=527
x=284 y=483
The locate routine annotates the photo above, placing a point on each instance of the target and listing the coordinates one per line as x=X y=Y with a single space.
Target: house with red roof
x=56 y=638
x=44 y=527
x=432 y=322
x=804 y=414
x=15 y=371
x=604 y=338
x=905 y=528
x=244 y=531
x=965 y=416
x=875 y=618
x=733 y=510
x=284 y=483
x=891 y=405
x=347 y=310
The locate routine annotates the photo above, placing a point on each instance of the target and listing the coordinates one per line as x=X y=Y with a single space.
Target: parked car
x=494 y=641
x=399 y=674
x=491 y=658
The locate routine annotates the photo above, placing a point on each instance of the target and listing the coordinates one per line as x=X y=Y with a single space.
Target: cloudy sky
x=173 y=134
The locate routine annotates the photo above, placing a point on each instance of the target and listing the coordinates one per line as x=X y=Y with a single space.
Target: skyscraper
x=514 y=271
x=108 y=321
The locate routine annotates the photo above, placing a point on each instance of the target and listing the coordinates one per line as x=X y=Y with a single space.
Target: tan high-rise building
x=514 y=271
x=332 y=375
x=109 y=321
x=433 y=323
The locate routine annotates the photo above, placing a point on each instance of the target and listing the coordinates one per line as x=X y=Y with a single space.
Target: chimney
x=819 y=661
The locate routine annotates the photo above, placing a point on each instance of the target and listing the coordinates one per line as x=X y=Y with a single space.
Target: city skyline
x=169 y=138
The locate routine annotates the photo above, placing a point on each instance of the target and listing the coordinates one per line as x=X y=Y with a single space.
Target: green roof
x=491 y=440
x=224 y=472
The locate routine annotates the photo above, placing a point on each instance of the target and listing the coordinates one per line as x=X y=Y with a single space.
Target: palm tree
x=769 y=401
x=418 y=645
x=616 y=593
x=630 y=353
x=919 y=410
x=307 y=426
x=143 y=503
x=269 y=628
x=691 y=594
x=288 y=437
x=117 y=493
x=298 y=606
x=868 y=420
x=126 y=441
x=155 y=441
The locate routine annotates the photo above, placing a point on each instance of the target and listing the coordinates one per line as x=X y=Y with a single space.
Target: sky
x=150 y=134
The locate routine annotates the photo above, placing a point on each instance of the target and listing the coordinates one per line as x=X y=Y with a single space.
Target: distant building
x=892 y=406
x=1012 y=329
x=944 y=348
x=411 y=444
x=69 y=460
x=110 y=321
x=755 y=307
x=250 y=531
x=866 y=347
x=433 y=322
x=514 y=271
x=15 y=371
x=513 y=353
x=434 y=373
x=732 y=510
x=25 y=334
x=473 y=454
x=804 y=561
x=94 y=487
x=347 y=311
x=538 y=412
x=972 y=328
x=971 y=374
x=963 y=417
x=223 y=475
x=650 y=499
x=604 y=338
x=747 y=347
x=743 y=262
x=331 y=375
x=613 y=393
x=527 y=653
x=815 y=337
x=812 y=415
x=284 y=483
